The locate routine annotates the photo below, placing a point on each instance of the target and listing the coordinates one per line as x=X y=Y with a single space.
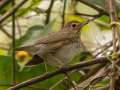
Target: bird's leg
x=46 y=69
x=70 y=80
x=55 y=60
x=67 y=75
x=60 y=64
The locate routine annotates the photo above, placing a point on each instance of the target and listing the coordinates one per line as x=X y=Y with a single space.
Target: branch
x=39 y=11
x=87 y=15
x=89 y=20
x=5 y=32
x=63 y=14
x=19 y=27
x=114 y=18
x=59 y=71
x=100 y=73
x=11 y=11
x=104 y=48
x=49 y=11
x=13 y=46
x=3 y=3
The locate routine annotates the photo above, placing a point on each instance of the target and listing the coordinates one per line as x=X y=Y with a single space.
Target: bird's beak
x=80 y=25
x=84 y=23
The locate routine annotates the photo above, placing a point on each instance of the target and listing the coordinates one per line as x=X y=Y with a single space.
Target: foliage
x=93 y=33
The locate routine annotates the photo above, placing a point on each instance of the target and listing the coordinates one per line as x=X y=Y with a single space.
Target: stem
x=63 y=14
x=114 y=18
x=49 y=11
x=13 y=44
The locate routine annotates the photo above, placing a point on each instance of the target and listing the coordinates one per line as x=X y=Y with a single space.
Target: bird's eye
x=73 y=25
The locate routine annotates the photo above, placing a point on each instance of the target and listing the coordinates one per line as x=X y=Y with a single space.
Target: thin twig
x=63 y=14
x=3 y=3
x=104 y=48
x=57 y=72
x=5 y=32
x=105 y=45
x=11 y=11
x=114 y=18
x=19 y=28
x=39 y=11
x=57 y=83
x=49 y=11
x=70 y=80
x=91 y=72
x=13 y=44
x=100 y=73
x=87 y=15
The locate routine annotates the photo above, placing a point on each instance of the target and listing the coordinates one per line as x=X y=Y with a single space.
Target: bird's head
x=74 y=26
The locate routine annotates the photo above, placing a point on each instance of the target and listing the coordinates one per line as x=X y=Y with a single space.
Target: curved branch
x=11 y=11
x=59 y=71
x=3 y=3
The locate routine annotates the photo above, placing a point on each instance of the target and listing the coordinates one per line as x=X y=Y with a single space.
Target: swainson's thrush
x=55 y=49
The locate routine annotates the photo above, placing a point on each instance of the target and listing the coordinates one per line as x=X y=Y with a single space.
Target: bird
x=57 y=48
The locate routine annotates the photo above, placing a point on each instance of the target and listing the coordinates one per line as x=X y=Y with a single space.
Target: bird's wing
x=45 y=44
x=56 y=37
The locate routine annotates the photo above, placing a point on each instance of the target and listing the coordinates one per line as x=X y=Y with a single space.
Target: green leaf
x=104 y=18
x=38 y=70
x=5 y=71
x=5 y=7
x=31 y=4
x=33 y=34
x=27 y=73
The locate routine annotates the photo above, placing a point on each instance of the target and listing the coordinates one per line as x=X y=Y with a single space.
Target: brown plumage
x=57 y=48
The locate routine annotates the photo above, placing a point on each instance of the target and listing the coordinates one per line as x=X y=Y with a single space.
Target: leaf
x=29 y=72
x=33 y=34
x=38 y=70
x=5 y=7
x=29 y=7
x=102 y=4
x=104 y=18
x=5 y=70
x=3 y=52
x=29 y=34
x=82 y=8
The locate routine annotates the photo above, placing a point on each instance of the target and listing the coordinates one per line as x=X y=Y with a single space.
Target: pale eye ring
x=73 y=25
